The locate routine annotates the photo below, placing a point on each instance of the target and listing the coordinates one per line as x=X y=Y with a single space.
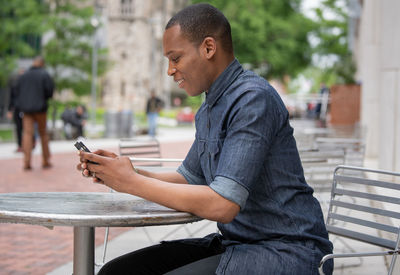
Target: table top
x=86 y=209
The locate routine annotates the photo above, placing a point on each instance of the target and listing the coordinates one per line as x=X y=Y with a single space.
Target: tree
x=67 y=40
x=20 y=31
x=332 y=35
x=69 y=50
x=270 y=35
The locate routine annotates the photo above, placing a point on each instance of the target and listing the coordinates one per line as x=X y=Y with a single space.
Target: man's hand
x=111 y=170
x=81 y=166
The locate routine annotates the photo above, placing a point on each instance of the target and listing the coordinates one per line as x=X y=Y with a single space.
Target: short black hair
x=202 y=20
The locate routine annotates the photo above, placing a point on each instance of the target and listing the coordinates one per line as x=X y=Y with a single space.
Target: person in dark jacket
x=74 y=121
x=13 y=111
x=35 y=88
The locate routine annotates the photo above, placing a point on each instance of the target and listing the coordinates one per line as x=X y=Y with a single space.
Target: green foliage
x=271 y=35
x=193 y=101
x=69 y=51
x=332 y=31
x=68 y=44
x=316 y=76
x=6 y=135
x=332 y=39
x=18 y=18
x=168 y=113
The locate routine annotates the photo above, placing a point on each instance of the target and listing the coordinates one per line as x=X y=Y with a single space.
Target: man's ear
x=209 y=47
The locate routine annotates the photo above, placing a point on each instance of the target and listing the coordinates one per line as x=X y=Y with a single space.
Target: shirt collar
x=223 y=81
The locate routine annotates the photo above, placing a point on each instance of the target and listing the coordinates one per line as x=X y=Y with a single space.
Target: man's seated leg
x=206 y=266
x=159 y=259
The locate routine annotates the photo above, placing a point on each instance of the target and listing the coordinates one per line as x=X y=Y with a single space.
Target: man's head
x=38 y=61
x=203 y=20
x=198 y=43
x=80 y=110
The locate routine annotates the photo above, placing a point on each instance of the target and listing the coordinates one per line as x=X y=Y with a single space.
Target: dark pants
x=164 y=257
x=18 y=126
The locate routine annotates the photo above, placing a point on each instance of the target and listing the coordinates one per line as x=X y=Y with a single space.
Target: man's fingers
x=93 y=168
x=97 y=180
x=105 y=153
x=86 y=173
x=100 y=152
x=91 y=157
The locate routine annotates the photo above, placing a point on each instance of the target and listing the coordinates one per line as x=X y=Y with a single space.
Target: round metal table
x=85 y=211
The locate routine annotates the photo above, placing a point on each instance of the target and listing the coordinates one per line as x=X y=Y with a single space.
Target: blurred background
x=335 y=63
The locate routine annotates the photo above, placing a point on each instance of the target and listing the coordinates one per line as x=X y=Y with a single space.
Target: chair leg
x=394 y=258
x=105 y=244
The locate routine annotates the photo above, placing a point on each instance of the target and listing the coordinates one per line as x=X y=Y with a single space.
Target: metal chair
x=318 y=166
x=354 y=148
x=141 y=148
x=146 y=148
x=364 y=206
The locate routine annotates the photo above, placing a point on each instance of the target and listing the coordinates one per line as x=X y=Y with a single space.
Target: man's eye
x=176 y=59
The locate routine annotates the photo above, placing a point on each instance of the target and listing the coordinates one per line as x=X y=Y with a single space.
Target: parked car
x=186 y=115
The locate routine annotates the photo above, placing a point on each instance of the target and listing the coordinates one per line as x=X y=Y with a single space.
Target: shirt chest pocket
x=209 y=153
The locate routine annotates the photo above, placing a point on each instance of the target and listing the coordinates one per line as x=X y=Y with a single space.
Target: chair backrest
x=319 y=164
x=354 y=148
x=141 y=148
x=365 y=205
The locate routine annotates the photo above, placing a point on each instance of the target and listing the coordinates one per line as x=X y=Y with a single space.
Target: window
x=126 y=7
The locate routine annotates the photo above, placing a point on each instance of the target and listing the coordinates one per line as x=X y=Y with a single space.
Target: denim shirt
x=245 y=151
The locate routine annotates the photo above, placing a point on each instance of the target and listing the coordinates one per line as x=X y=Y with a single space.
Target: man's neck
x=222 y=63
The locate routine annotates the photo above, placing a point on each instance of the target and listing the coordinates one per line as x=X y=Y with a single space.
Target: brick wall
x=345 y=104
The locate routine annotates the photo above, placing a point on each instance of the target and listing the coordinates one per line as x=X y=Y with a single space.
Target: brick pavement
x=29 y=249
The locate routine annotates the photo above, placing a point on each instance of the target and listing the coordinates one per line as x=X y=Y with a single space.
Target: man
x=74 y=121
x=153 y=108
x=243 y=169
x=35 y=87
x=322 y=105
x=13 y=111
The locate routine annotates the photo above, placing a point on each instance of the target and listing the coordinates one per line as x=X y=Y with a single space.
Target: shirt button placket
x=208 y=135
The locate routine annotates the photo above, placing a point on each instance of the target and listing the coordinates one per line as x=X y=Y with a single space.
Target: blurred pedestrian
x=153 y=108
x=74 y=121
x=321 y=108
x=15 y=114
x=13 y=111
x=35 y=87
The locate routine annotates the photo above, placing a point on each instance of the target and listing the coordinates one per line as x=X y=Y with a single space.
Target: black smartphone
x=82 y=147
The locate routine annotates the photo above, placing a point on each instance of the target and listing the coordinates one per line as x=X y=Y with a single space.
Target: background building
x=378 y=59
x=133 y=35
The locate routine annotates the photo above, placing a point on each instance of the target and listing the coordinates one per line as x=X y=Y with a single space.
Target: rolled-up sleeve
x=227 y=188
x=190 y=177
x=231 y=190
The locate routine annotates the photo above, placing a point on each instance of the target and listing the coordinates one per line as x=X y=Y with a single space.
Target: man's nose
x=171 y=70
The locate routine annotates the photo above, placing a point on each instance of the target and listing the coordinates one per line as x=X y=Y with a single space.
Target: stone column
x=368 y=67
x=389 y=91
x=379 y=67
